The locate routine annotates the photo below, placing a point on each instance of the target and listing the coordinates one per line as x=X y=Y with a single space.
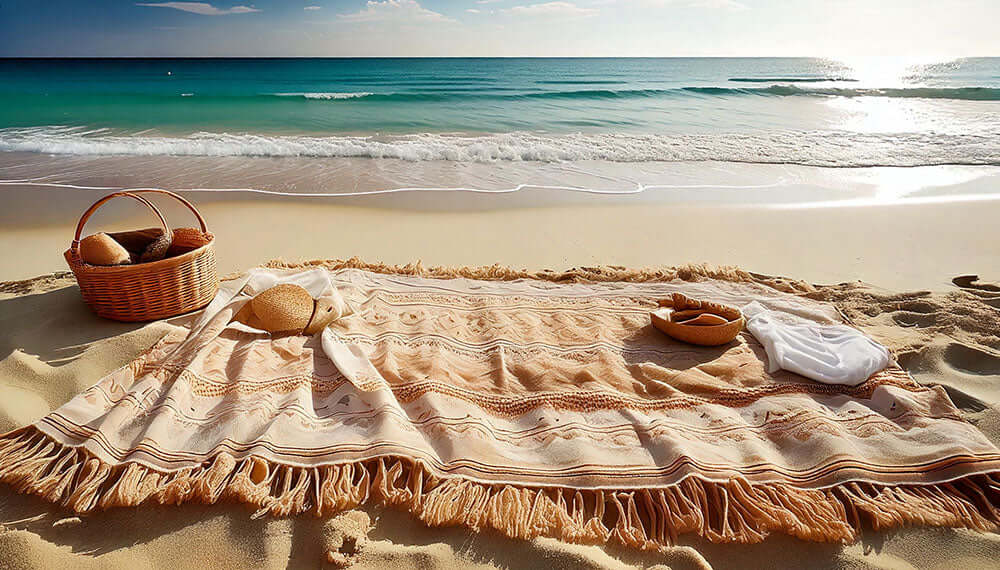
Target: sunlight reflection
x=867 y=202
x=893 y=114
x=882 y=115
x=891 y=184
x=889 y=72
x=899 y=186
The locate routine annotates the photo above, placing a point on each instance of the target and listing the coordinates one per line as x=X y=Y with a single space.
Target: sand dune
x=51 y=347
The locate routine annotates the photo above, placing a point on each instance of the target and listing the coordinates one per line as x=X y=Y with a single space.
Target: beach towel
x=532 y=404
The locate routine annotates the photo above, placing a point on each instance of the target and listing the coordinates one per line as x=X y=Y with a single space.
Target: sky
x=503 y=28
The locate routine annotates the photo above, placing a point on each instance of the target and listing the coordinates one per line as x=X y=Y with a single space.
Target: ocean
x=542 y=114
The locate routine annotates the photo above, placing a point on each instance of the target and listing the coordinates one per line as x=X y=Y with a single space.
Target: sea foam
x=812 y=148
x=326 y=96
x=782 y=87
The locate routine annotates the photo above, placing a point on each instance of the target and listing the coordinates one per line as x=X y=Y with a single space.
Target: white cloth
x=352 y=361
x=832 y=354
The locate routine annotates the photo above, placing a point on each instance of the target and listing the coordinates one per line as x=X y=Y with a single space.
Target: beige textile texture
x=534 y=405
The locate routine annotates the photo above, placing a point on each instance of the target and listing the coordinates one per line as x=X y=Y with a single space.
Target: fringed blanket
x=534 y=405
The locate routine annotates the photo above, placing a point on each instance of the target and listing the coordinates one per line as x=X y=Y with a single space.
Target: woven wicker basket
x=148 y=291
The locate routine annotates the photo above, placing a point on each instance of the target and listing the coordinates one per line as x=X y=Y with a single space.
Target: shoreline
x=878 y=245
x=899 y=228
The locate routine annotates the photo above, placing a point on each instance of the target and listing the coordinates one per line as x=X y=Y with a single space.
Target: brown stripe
x=621 y=472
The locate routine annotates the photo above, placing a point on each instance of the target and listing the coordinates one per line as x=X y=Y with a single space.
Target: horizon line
x=487 y=56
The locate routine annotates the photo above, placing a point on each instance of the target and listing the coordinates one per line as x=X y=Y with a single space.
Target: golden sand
x=946 y=338
x=52 y=347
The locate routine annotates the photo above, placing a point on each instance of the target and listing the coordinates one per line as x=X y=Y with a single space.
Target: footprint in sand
x=973 y=282
x=913 y=313
x=964 y=401
x=988 y=292
x=972 y=360
x=910 y=319
x=942 y=367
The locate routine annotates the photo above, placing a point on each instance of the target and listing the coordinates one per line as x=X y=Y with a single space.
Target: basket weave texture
x=148 y=291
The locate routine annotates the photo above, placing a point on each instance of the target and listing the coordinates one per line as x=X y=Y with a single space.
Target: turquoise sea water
x=804 y=111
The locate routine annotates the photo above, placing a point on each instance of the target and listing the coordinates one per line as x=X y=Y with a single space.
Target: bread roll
x=102 y=249
x=156 y=250
x=705 y=320
x=687 y=314
x=187 y=239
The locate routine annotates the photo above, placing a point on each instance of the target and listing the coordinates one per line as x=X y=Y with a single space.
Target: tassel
x=84 y=497
x=735 y=510
x=211 y=485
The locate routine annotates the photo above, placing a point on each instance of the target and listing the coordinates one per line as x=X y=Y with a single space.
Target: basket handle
x=75 y=247
x=179 y=198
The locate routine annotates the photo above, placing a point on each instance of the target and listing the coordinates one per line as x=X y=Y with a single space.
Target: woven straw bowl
x=710 y=335
x=147 y=291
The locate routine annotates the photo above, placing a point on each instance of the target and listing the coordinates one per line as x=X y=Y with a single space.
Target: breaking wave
x=812 y=148
x=596 y=91
x=791 y=79
x=961 y=93
x=964 y=93
x=325 y=96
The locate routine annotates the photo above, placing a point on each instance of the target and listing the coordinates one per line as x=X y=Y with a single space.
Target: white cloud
x=312 y=8
x=394 y=10
x=733 y=5
x=474 y=11
x=203 y=8
x=551 y=9
x=718 y=4
x=488 y=1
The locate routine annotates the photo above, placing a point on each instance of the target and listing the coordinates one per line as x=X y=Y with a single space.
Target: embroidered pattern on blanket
x=521 y=405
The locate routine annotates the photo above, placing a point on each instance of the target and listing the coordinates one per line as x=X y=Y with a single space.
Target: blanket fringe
x=497 y=272
x=731 y=511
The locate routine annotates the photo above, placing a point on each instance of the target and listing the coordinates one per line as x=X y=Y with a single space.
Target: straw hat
x=324 y=313
x=246 y=316
x=284 y=308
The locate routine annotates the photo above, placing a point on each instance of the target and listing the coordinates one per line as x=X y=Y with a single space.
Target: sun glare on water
x=889 y=72
x=874 y=110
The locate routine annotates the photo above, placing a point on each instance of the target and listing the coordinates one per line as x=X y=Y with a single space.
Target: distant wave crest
x=326 y=96
x=966 y=93
x=776 y=90
x=791 y=79
x=812 y=148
